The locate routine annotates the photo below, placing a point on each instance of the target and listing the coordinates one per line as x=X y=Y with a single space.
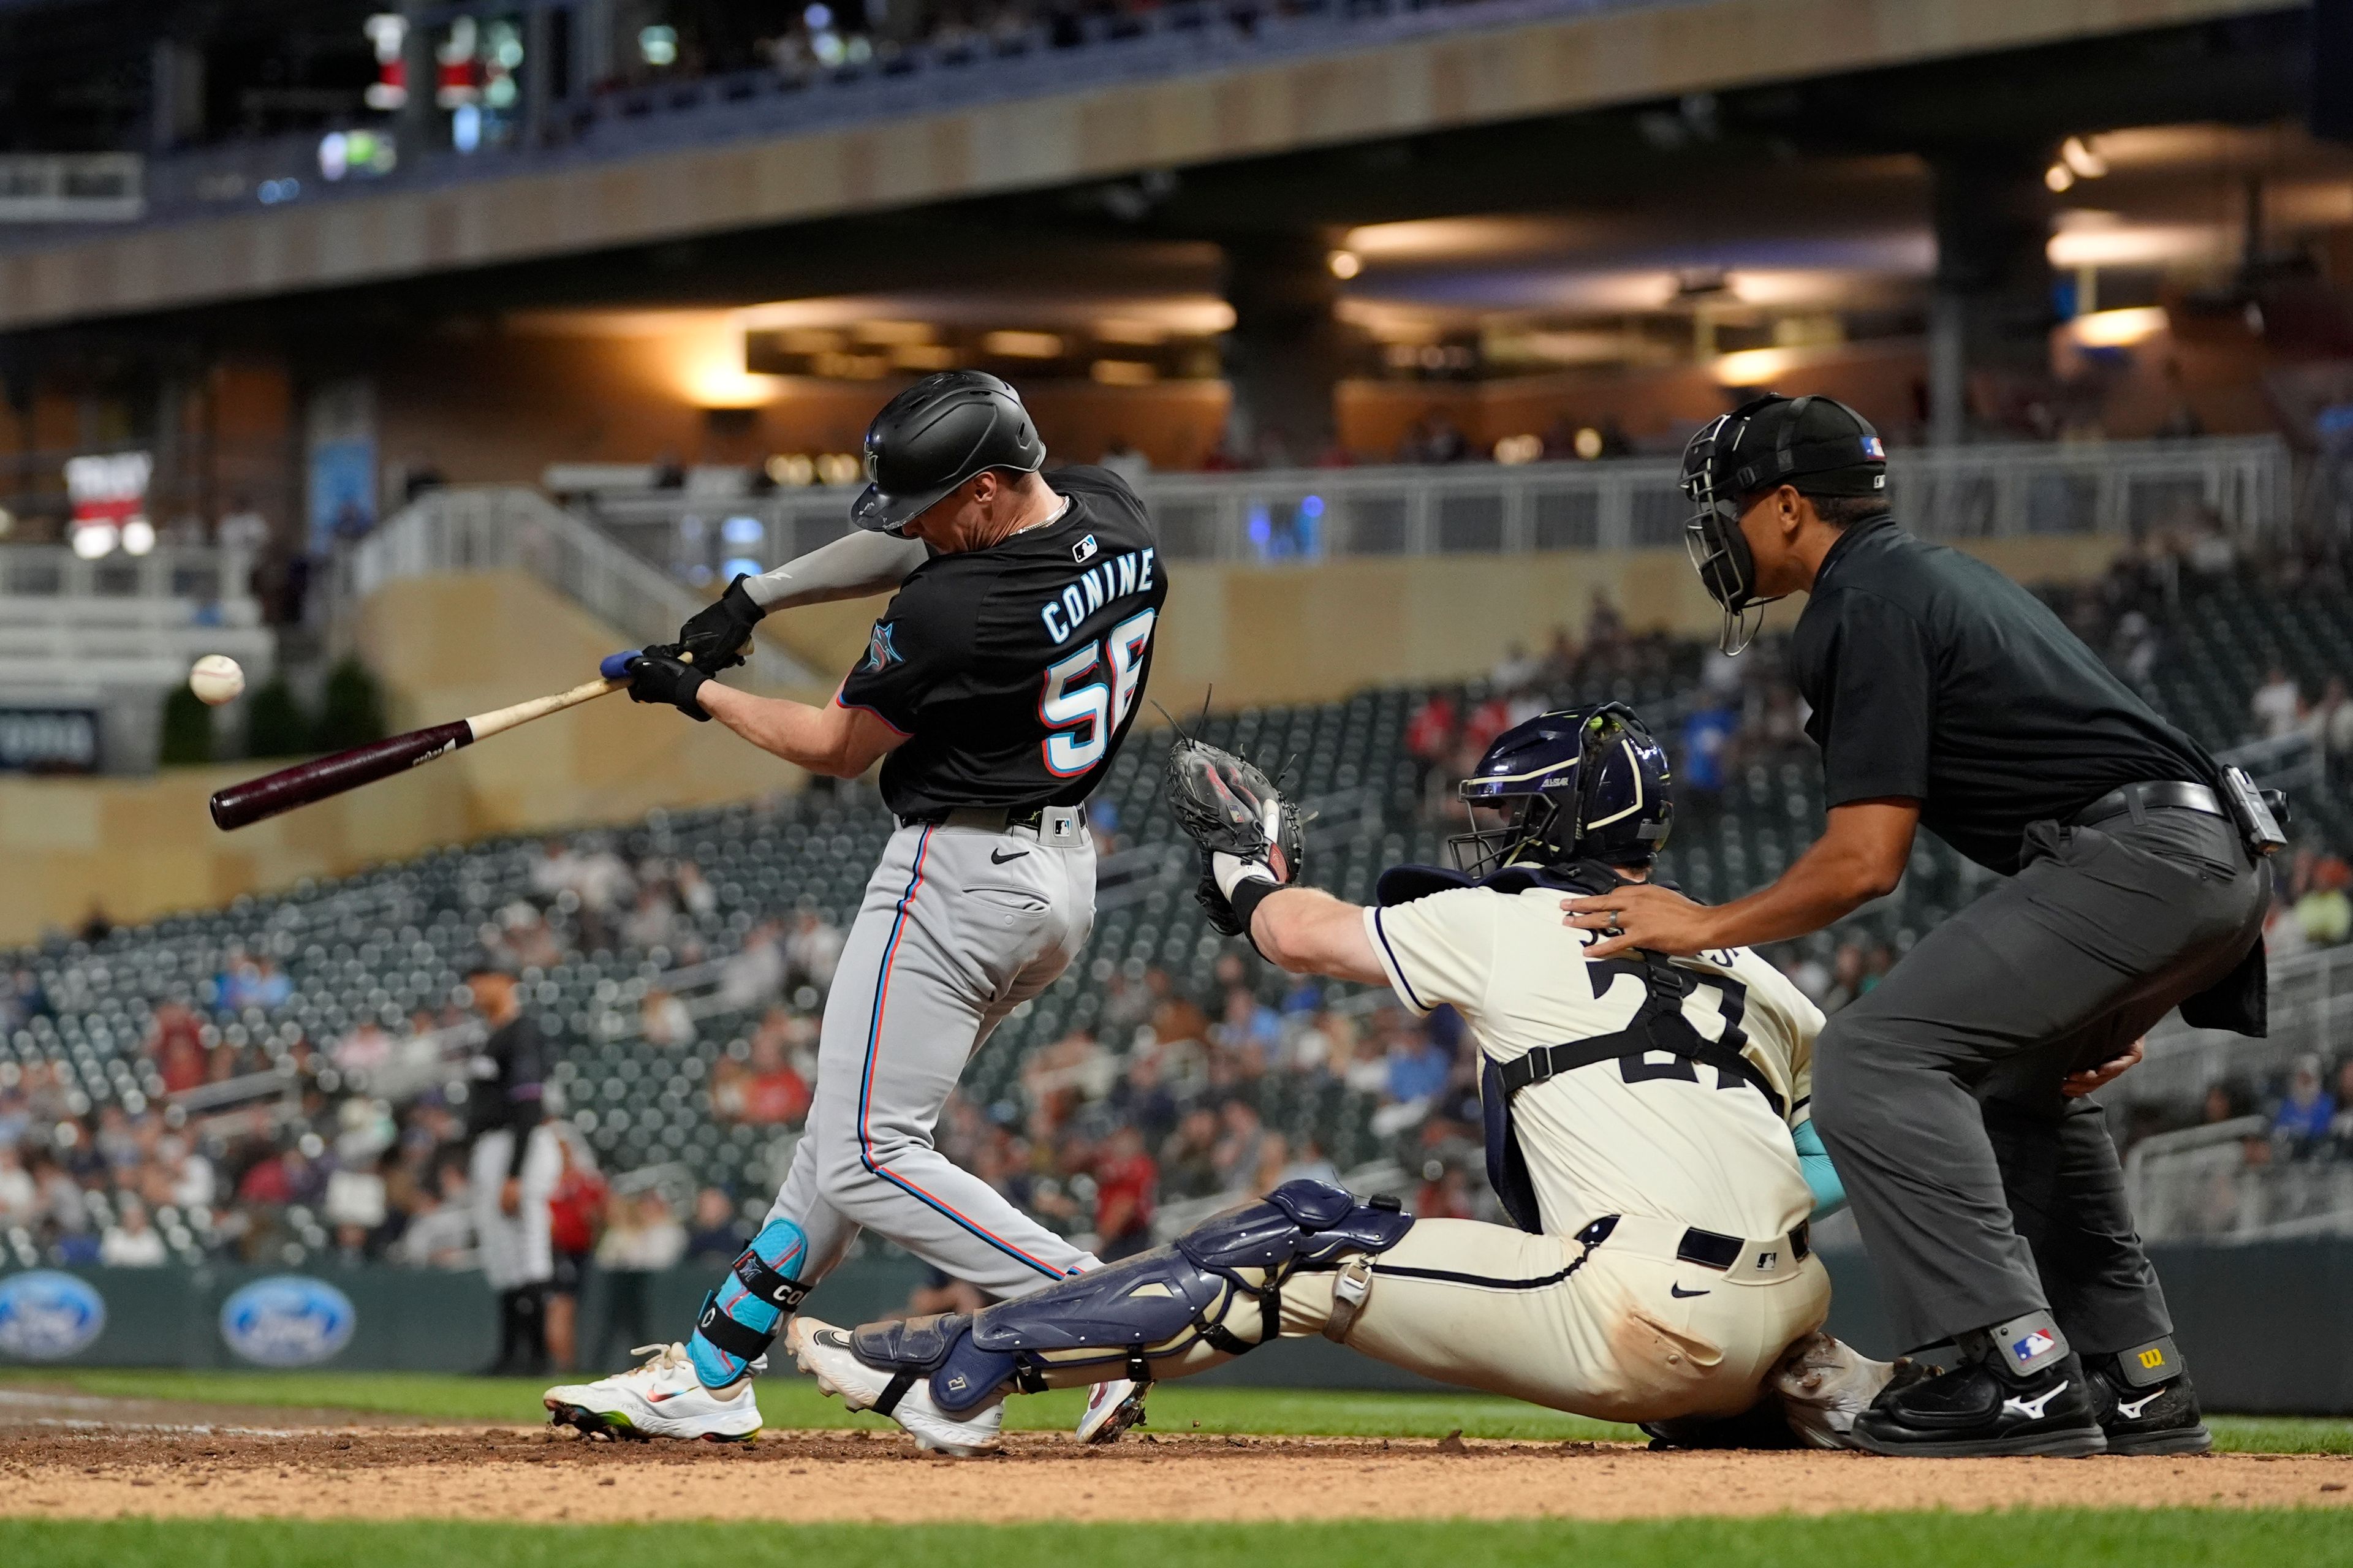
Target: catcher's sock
x=737 y=1322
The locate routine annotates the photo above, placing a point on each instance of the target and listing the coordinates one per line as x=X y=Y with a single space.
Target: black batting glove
x=716 y=634
x=657 y=676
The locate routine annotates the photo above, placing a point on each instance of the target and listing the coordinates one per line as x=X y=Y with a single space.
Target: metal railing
x=510 y=528
x=2007 y=490
x=201 y=574
x=2200 y=1182
x=2311 y=1011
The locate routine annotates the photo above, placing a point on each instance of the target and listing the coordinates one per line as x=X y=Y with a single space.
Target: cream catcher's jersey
x=1681 y=1142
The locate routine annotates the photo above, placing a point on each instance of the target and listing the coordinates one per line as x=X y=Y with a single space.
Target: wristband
x=1247 y=896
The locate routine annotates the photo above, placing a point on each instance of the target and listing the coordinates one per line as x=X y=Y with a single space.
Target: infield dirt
x=74 y=1457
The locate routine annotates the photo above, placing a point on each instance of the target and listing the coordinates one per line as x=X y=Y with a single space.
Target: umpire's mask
x=1817 y=443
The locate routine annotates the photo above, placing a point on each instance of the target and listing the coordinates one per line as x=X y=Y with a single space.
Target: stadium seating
x=388 y=947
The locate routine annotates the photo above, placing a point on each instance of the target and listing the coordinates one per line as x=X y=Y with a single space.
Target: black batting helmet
x=936 y=435
x=1817 y=445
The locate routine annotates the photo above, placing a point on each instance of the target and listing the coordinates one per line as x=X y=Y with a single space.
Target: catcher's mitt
x=1229 y=806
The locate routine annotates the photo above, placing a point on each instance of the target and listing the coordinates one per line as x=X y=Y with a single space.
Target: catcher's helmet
x=1590 y=784
x=1817 y=445
x=936 y=435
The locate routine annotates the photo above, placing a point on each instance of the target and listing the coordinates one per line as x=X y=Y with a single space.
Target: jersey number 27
x=1080 y=719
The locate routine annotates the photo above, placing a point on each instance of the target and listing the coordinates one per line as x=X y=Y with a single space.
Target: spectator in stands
x=1174 y=1015
x=653 y=920
x=1188 y=1156
x=131 y=1242
x=1125 y=460
x=2324 y=911
x=1127 y=1182
x=1444 y=1193
x=19 y=1197
x=357 y=1210
x=1126 y=1007
x=813 y=950
x=1241 y=1142
x=756 y=973
x=664 y=1020
x=2307 y=1113
x=715 y=1234
x=1429 y=742
x=2275 y=705
x=641 y=1235
x=1418 y=1068
x=575 y=1209
x=1139 y=1099
x=2329 y=722
x=440 y=1233
x=2341 y=1128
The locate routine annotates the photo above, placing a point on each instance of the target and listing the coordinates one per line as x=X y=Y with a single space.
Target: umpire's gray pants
x=960 y=926
x=1977 y=1184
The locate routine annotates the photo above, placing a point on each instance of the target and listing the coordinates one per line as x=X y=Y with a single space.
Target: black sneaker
x=1983 y=1407
x=2161 y=1419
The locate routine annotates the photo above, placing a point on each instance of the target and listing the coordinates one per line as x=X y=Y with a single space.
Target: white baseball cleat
x=824 y=1352
x=660 y=1398
x=1825 y=1383
x=1112 y=1408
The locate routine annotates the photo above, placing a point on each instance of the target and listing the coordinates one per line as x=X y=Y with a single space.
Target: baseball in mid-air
x=216 y=678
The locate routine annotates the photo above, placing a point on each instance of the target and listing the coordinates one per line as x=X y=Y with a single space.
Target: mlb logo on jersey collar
x=1084 y=550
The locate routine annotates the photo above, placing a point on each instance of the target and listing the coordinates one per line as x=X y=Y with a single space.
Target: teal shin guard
x=740 y=1317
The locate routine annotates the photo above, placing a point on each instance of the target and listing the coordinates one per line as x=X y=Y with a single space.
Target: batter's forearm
x=818 y=738
x=850 y=567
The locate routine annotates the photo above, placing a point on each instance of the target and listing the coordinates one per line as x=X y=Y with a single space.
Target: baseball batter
x=997 y=688
x=1645 y=1123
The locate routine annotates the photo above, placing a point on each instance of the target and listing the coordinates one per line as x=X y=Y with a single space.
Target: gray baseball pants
x=1983 y=1193
x=962 y=923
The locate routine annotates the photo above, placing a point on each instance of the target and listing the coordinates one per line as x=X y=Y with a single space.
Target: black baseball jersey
x=1017 y=669
x=1934 y=677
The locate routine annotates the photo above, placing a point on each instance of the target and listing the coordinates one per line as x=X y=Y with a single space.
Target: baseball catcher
x=1647 y=1130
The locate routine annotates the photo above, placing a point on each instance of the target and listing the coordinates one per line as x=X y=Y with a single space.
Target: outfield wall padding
x=2265 y=1325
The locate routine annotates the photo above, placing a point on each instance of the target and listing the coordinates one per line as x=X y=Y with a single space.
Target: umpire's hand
x=2092 y=1080
x=656 y=677
x=717 y=634
x=1639 y=915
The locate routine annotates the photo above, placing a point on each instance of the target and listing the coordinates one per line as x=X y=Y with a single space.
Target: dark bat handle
x=282 y=791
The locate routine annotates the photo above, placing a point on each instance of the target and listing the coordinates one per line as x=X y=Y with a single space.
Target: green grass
x=792 y=1402
x=2175 y=1538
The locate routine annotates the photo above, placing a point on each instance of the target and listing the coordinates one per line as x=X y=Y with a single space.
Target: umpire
x=1950 y=1096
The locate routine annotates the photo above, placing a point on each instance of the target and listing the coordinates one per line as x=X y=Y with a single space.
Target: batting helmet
x=1817 y=445
x=934 y=437
x=1588 y=784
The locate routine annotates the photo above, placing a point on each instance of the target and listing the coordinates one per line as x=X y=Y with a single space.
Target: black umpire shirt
x=1934 y=678
x=1017 y=669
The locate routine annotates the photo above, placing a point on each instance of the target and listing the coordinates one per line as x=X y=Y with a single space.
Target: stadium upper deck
x=283 y=150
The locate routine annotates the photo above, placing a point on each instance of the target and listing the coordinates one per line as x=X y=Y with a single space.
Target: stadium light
x=1344 y=264
x=2119 y=329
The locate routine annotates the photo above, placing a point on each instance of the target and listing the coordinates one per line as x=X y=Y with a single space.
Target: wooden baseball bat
x=258 y=799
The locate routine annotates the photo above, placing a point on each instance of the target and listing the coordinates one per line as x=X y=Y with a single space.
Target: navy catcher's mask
x=1585 y=784
x=1817 y=445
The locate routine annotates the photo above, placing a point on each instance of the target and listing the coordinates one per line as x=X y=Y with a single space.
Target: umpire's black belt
x=2133 y=800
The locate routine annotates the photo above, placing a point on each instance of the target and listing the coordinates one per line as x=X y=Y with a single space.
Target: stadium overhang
x=1447 y=81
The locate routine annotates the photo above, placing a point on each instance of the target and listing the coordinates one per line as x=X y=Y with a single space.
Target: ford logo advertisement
x=47 y=1316
x=288 y=1319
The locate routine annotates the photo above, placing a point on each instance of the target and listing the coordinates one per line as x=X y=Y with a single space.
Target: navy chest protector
x=1657 y=1028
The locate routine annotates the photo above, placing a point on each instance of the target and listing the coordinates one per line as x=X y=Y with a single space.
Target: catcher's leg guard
x=740 y=1320
x=1225 y=1275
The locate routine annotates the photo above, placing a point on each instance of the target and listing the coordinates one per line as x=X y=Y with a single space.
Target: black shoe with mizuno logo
x=1987 y=1405
x=2147 y=1408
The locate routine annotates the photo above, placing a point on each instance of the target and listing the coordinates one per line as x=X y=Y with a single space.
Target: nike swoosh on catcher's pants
x=997 y=859
x=1679 y=1294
